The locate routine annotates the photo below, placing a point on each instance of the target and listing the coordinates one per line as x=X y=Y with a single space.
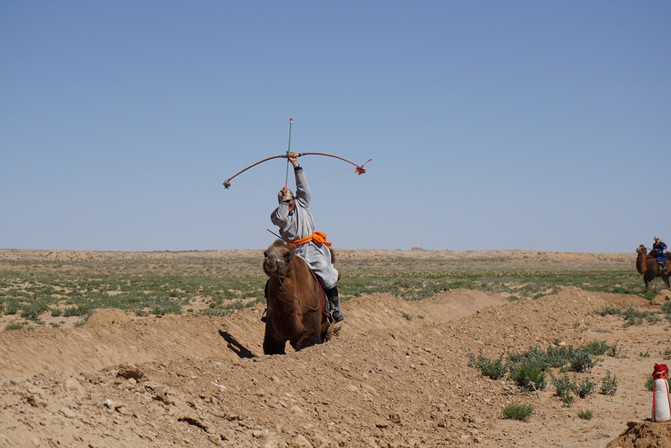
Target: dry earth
x=397 y=375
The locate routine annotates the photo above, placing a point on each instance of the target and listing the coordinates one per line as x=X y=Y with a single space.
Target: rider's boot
x=332 y=295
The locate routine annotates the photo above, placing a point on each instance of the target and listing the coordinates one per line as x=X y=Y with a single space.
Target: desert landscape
x=112 y=357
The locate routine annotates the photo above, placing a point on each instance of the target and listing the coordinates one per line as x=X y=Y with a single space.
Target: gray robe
x=300 y=224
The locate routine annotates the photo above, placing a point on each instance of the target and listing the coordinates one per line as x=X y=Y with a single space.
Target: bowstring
x=311 y=181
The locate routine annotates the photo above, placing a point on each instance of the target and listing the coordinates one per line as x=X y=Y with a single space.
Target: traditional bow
x=359 y=168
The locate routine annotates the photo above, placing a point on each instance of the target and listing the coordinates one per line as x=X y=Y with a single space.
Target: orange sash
x=318 y=238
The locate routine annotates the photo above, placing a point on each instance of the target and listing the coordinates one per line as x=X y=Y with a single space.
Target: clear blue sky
x=491 y=124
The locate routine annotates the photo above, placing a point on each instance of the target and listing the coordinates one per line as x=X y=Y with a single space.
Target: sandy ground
x=397 y=375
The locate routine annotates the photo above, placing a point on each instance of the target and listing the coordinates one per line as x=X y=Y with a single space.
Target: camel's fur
x=295 y=304
x=646 y=264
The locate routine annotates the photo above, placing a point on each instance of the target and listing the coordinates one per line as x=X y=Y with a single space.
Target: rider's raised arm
x=280 y=214
x=302 y=190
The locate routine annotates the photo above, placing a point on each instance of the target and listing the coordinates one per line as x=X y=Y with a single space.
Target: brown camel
x=646 y=264
x=295 y=302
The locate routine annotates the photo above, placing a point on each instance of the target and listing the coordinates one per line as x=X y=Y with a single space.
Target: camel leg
x=648 y=282
x=308 y=340
x=272 y=346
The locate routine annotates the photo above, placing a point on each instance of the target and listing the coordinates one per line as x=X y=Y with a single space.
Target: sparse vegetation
x=198 y=283
x=609 y=384
x=585 y=415
x=516 y=411
x=527 y=370
x=650 y=383
x=585 y=388
x=564 y=389
x=492 y=368
x=666 y=311
x=528 y=376
x=174 y=282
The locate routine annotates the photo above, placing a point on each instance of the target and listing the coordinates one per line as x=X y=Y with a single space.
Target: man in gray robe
x=297 y=227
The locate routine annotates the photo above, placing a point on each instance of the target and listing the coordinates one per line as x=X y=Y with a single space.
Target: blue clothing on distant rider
x=661 y=247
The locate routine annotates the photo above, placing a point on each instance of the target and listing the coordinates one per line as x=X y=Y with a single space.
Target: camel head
x=641 y=250
x=278 y=258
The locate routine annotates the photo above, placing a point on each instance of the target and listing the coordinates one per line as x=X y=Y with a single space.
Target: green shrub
x=33 y=310
x=80 y=310
x=596 y=348
x=609 y=311
x=582 y=361
x=585 y=415
x=633 y=317
x=528 y=377
x=609 y=384
x=666 y=310
x=564 y=389
x=613 y=351
x=492 y=368
x=585 y=388
x=518 y=412
x=650 y=383
x=563 y=386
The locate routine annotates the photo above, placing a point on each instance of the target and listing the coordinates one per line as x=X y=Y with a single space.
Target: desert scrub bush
x=32 y=311
x=228 y=307
x=492 y=368
x=80 y=310
x=539 y=358
x=585 y=415
x=609 y=384
x=596 y=348
x=579 y=359
x=528 y=376
x=650 y=383
x=582 y=361
x=633 y=317
x=163 y=308
x=666 y=311
x=609 y=311
x=564 y=389
x=516 y=411
x=585 y=388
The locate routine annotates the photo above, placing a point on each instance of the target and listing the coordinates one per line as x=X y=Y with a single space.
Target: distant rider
x=297 y=228
x=660 y=247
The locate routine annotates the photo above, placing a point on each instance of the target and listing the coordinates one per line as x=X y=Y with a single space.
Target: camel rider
x=297 y=227
x=661 y=255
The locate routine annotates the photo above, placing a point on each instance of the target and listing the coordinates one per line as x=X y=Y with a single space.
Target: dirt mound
x=662 y=297
x=110 y=339
x=644 y=435
x=106 y=317
x=396 y=376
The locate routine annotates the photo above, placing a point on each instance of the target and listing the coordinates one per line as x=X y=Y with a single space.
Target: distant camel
x=295 y=302
x=646 y=264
